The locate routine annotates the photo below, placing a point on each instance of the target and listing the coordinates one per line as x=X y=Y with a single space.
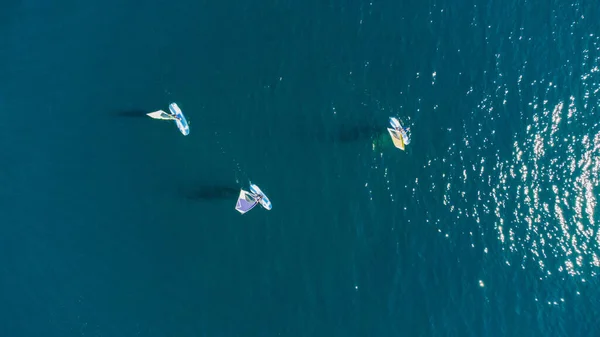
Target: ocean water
x=113 y=224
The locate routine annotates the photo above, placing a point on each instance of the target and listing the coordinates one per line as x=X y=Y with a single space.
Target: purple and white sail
x=246 y=201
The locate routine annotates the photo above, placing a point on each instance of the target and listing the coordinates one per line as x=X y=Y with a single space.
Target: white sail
x=161 y=115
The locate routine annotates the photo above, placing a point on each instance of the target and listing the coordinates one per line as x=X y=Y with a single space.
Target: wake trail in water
x=226 y=150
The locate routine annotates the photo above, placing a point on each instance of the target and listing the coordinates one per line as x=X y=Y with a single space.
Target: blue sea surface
x=114 y=224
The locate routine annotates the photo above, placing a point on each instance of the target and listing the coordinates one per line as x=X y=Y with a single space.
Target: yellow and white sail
x=397 y=138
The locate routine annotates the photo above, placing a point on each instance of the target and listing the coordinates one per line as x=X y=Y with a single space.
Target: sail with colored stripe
x=397 y=138
x=245 y=202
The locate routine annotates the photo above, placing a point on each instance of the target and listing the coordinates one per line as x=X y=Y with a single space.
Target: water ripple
x=538 y=200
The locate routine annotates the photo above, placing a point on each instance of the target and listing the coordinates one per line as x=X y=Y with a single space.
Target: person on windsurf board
x=248 y=200
x=176 y=115
x=398 y=133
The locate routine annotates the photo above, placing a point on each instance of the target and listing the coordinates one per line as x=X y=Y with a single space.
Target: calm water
x=485 y=226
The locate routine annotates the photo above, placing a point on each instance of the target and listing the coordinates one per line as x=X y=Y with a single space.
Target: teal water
x=485 y=226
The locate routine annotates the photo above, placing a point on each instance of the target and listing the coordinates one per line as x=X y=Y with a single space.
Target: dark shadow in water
x=212 y=192
x=360 y=132
x=351 y=133
x=131 y=113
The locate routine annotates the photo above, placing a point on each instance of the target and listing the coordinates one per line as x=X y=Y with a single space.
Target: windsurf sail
x=245 y=202
x=397 y=138
x=161 y=115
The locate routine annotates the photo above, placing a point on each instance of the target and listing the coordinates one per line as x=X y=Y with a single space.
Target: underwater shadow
x=134 y=113
x=211 y=193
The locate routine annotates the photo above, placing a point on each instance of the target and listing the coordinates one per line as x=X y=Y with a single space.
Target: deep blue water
x=486 y=226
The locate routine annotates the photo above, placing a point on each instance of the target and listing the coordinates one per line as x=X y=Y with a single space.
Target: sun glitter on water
x=541 y=201
x=555 y=175
x=531 y=187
